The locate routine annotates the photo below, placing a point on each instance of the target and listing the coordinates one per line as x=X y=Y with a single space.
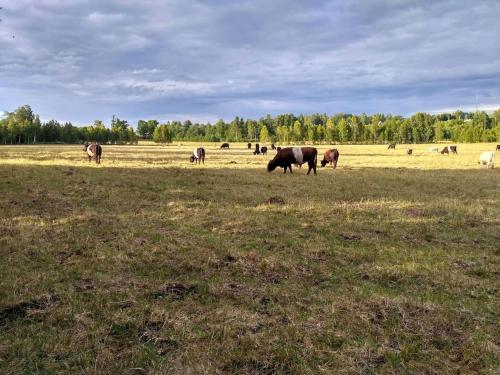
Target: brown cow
x=392 y=145
x=273 y=147
x=249 y=145
x=330 y=156
x=498 y=148
x=263 y=150
x=294 y=155
x=409 y=151
x=225 y=146
x=93 y=150
x=198 y=156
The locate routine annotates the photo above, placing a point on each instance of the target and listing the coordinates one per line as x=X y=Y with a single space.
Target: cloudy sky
x=82 y=60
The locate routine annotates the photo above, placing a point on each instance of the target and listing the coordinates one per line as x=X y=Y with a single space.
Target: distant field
x=149 y=264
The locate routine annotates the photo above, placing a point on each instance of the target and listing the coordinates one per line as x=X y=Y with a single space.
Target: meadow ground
x=148 y=264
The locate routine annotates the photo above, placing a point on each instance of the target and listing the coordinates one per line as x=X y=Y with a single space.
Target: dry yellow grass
x=148 y=264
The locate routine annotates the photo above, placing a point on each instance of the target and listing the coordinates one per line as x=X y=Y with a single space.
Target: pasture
x=147 y=264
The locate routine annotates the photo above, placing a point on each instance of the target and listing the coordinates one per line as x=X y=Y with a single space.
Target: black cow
x=249 y=145
x=294 y=155
x=225 y=146
x=392 y=145
x=257 y=149
x=448 y=149
x=263 y=150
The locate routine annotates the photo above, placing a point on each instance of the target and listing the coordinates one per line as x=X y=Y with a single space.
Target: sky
x=82 y=60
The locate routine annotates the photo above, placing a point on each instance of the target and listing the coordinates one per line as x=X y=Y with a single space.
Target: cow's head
x=192 y=158
x=85 y=146
x=271 y=166
x=323 y=162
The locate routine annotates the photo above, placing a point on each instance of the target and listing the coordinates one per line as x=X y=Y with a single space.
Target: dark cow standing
x=273 y=147
x=392 y=145
x=257 y=149
x=331 y=156
x=294 y=155
x=409 y=151
x=263 y=150
x=498 y=148
x=93 y=150
x=249 y=145
x=225 y=146
x=198 y=156
x=448 y=149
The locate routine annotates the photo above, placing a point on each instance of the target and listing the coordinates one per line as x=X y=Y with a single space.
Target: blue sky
x=82 y=60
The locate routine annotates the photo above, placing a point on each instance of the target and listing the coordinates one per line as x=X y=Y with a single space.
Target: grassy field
x=147 y=264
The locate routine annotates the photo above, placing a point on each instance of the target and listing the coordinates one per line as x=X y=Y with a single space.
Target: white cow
x=487 y=158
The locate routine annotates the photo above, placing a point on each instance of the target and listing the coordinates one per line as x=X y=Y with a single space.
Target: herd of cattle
x=287 y=156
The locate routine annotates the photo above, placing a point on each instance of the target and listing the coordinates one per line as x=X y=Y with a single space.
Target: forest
x=23 y=126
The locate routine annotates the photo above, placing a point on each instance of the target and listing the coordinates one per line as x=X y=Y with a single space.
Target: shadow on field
x=154 y=264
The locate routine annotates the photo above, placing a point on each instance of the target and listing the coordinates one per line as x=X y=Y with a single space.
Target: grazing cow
x=225 y=146
x=263 y=150
x=498 y=148
x=409 y=151
x=294 y=155
x=331 y=156
x=249 y=145
x=487 y=158
x=448 y=149
x=198 y=156
x=257 y=149
x=392 y=145
x=93 y=150
x=278 y=149
x=273 y=146
x=433 y=149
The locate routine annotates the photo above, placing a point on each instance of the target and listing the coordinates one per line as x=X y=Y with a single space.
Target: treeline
x=23 y=126
x=339 y=128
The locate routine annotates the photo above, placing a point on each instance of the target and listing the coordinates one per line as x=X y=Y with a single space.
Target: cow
x=331 y=156
x=225 y=146
x=448 y=149
x=93 y=150
x=249 y=145
x=263 y=150
x=273 y=147
x=487 y=158
x=257 y=149
x=409 y=151
x=294 y=155
x=278 y=149
x=198 y=156
x=392 y=145
x=498 y=148
x=433 y=149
